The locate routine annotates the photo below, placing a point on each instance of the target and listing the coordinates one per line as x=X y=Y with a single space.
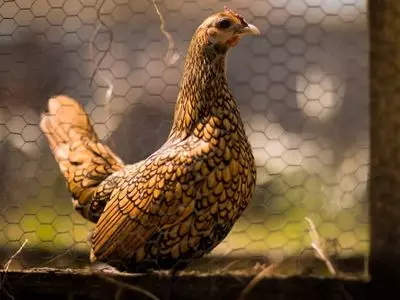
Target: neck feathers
x=204 y=91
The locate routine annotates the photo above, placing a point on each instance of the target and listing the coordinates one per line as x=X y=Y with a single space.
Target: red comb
x=240 y=17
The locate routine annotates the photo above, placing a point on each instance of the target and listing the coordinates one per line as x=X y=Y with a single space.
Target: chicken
x=182 y=201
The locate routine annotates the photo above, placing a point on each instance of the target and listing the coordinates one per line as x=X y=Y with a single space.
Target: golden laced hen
x=182 y=200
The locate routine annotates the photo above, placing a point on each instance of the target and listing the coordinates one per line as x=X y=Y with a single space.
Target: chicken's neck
x=204 y=92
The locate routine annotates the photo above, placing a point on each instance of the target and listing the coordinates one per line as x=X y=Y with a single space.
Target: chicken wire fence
x=302 y=89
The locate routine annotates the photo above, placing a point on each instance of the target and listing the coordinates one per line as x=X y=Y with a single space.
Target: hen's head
x=226 y=28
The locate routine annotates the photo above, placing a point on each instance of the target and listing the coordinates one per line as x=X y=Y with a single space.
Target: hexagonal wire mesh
x=301 y=87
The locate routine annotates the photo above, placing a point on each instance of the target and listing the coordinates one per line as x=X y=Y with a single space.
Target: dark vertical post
x=385 y=141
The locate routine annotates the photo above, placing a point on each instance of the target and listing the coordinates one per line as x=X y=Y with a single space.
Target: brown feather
x=75 y=147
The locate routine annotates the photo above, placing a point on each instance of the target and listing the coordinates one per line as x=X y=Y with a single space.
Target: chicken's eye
x=224 y=24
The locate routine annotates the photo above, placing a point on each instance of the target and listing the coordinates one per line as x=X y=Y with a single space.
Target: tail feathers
x=64 y=123
x=83 y=160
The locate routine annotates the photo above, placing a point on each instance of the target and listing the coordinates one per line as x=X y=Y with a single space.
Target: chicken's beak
x=245 y=30
x=250 y=29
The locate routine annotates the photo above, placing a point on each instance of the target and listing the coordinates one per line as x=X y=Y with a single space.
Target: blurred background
x=302 y=88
